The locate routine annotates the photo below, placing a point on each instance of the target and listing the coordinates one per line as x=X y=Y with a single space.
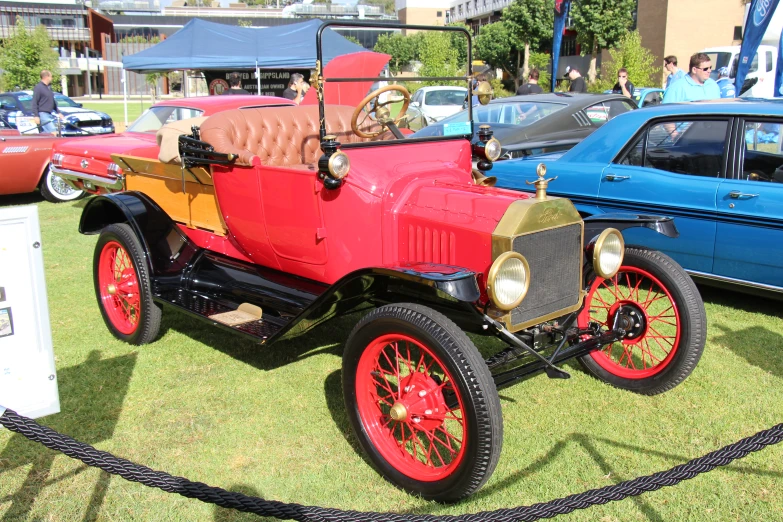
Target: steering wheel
x=381 y=112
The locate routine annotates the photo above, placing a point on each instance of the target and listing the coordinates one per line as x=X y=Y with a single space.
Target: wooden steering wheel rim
x=367 y=99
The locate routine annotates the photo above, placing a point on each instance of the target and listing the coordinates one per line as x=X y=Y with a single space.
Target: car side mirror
x=79 y=105
x=414 y=104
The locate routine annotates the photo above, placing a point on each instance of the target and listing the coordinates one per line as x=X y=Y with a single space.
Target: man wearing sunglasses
x=696 y=85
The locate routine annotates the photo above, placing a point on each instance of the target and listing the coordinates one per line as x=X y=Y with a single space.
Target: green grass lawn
x=117 y=109
x=270 y=421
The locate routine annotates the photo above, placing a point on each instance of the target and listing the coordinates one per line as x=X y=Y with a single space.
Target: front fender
x=596 y=224
x=165 y=246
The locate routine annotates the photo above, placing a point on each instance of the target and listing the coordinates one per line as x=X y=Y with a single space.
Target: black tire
x=54 y=189
x=470 y=406
x=672 y=325
x=122 y=286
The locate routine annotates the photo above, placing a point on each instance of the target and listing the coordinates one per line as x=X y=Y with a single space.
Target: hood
x=82 y=114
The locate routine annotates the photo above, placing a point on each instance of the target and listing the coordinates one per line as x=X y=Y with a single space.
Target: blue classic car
x=716 y=167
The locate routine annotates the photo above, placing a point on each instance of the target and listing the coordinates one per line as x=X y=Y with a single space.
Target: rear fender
x=167 y=249
x=596 y=224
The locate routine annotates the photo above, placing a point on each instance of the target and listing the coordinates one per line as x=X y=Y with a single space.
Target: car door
x=749 y=242
x=674 y=168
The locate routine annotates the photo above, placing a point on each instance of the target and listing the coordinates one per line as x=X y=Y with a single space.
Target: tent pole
x=125 y=95
x=258 y=79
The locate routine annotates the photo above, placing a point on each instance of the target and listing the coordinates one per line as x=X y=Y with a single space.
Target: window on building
x=48 y=22
x=439 y=13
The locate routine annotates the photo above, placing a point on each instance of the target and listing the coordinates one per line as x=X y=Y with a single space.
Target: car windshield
x=64 y=101
x=156 y=117
x=445 y=97
x=27 y=101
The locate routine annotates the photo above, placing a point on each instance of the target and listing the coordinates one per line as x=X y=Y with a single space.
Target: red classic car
x=274 y=220
x=24 y=166
x=86 y=164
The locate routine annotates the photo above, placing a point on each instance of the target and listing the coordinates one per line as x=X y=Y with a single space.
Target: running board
x=205 y=308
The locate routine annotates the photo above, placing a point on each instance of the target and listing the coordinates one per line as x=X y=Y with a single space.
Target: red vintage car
x=274 y=220
x=24 y=166
x=87 y=165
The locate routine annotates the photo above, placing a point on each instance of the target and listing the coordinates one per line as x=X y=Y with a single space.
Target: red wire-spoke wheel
x=422 y=402
x=122 y=286
x=119 y=287
x=657 y=305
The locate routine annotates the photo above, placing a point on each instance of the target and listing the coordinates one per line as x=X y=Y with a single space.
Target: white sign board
x=28 y=381
x=26 y=125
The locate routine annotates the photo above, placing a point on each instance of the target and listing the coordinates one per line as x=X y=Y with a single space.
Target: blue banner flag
x=779 y=70
x=561 y=13
x=759 y=16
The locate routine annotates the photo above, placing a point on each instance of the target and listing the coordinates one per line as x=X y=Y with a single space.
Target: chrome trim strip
x=731 y=280
x=71 y=175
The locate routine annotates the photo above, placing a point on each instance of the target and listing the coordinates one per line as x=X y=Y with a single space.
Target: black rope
x=270 y=508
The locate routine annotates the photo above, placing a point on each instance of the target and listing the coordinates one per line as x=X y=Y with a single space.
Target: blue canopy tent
x=207 y=45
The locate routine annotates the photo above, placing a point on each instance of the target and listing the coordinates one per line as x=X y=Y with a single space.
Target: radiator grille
x=554 y=258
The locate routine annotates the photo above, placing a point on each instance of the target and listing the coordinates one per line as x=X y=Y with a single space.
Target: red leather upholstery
x=279 y=136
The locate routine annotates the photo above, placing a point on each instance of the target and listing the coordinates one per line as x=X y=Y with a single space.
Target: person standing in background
x=623 y=85
x=235 y=84
x=675 y=73
x=44 y=105
x=695 y=86
x=577 y=82
x=726 y=84
x=296 y=88
x=531 y=87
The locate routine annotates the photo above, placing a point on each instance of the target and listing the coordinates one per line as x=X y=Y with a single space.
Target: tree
x=528 y=22
x=541 y=61
x=402 y=50
x=630 y=54
x=460 y=43
x=493 y=45
x=599 y=25
x=438 y=57
x=25 y=54
x=245 y=23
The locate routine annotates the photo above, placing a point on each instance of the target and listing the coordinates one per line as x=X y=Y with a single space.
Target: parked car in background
x=538 y=123
x=87 y=165
x=438 y=102
x=648 y=96
x=24 y=166
x=77 y=121
x=716 y=167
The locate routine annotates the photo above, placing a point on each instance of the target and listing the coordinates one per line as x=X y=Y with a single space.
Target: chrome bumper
x=71 y=175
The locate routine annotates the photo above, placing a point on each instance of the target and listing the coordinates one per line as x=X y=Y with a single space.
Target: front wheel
x=664 y=317
x=422 y=402
x=122 y=286
x=56 y=190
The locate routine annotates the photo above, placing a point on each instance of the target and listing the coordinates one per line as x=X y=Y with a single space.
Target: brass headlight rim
x=493 y=273
x=486 y=148
x=598 y=247
x=331 y=164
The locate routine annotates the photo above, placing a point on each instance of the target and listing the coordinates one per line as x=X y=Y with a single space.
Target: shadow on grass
x=31 y=198
x=762 y=304
x=328 y=338
x=91 y=398
x=757 y=345
x=232 y=515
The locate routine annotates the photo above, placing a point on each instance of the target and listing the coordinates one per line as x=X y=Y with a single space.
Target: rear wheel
x=662 y=311
x=122 y=286
x=56 y=190
x=422 y=402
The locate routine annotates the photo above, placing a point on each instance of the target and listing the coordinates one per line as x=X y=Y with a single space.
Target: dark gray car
x=538 y=123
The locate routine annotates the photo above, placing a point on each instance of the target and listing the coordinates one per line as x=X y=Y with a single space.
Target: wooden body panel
x=192 y=203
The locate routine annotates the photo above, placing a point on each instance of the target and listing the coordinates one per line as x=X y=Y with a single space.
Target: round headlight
x=608 y=253
x=508 y=280
x=339 y=165
x=492 y=149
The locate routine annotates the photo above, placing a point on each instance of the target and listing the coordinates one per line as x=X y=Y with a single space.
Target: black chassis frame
x=201 y=282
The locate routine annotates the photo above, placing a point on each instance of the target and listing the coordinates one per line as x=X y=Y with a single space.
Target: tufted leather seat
x=279 y=136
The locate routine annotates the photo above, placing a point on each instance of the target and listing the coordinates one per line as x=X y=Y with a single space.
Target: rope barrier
x=270 y=508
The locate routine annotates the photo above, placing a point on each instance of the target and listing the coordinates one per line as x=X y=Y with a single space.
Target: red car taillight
x=114 y=170
x=57 y=160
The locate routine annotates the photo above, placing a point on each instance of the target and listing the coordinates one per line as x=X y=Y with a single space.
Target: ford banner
x=759 y=16
x=561 y=13
x=779 y=70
